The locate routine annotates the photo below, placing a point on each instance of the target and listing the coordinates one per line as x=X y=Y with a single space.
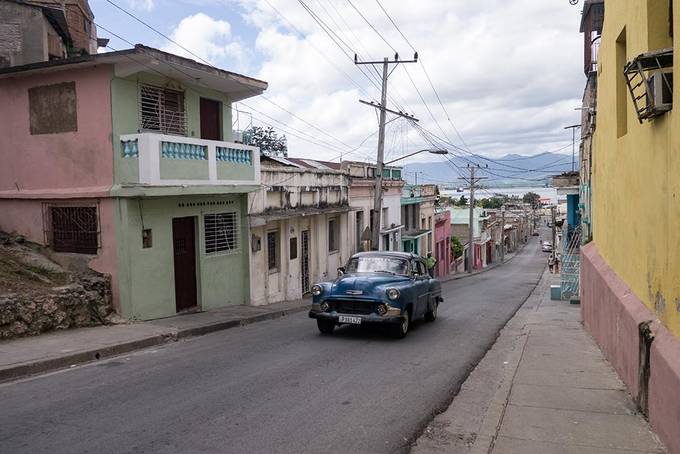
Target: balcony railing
x=166 y=160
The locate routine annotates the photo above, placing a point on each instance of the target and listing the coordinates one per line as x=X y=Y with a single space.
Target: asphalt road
x=271 y=387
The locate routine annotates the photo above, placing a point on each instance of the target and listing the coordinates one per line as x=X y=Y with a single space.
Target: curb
x=63 y=362
x=221 y=326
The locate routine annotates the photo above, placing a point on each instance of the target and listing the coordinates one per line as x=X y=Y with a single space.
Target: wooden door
x=210 y=119
x=184 y=251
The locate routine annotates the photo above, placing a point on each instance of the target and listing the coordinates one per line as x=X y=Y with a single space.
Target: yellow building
x=630 y=282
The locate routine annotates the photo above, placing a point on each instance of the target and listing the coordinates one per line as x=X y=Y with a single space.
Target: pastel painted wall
x=442 y=240
x=361 y=199
x=25 y=216
x=77 y=163
x=125 y=115
x=22 y=216
x=285 y=283
x=636 y=166
x=147 y=274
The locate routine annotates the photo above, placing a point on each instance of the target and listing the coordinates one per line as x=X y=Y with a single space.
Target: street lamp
x=435 y=151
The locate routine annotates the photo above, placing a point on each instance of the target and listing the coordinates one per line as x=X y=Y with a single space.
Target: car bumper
x=372 y=318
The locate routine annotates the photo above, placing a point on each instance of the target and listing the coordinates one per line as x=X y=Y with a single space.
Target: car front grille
x=353 y=307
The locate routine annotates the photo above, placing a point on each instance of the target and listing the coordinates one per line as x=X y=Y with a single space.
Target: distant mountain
x=510 y=170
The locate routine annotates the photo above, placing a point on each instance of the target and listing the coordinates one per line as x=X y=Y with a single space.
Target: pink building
x=442 y=239
x=124 y=162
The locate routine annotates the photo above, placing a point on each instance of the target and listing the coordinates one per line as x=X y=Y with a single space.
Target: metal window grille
x=273 y=251
x=73 y=229
x=162 y=109
x=221 y=233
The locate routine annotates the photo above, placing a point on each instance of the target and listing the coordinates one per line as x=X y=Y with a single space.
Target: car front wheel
x=431 y=315
x=325 y=326
x=401 y=329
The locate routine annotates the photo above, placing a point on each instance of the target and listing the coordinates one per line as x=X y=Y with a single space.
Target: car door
x=421 y=287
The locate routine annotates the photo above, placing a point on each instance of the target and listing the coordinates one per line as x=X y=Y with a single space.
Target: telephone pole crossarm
x=378 y=106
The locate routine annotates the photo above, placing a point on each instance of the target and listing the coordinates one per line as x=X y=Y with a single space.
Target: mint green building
x=181 y=187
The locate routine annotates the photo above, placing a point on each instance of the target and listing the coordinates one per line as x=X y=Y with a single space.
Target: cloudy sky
x=508 y=72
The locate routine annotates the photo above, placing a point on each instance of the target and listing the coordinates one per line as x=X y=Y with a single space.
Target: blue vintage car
x=391 y=288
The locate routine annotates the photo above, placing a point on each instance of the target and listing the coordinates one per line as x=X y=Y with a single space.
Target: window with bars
x=74 y=229
x=273 y=251
x=162 y=109
x=221 y=233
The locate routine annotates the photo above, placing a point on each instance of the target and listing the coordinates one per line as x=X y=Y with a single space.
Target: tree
x=492 y=203
x=532 y=198
x=462 y=201
x=270 y=143
x=456 y=247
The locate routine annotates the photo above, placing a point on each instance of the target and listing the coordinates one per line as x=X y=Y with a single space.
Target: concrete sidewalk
x=60 y=349
x=544 y=387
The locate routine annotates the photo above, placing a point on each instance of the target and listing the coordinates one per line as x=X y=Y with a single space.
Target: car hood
x=366 y=284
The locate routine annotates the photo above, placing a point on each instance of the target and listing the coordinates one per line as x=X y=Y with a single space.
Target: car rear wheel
x=431 y=315
x=401 y=329
x=325 y=326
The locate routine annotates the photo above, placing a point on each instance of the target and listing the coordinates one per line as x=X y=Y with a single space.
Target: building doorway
x=304 y=260
x=210 y=119
x=359 y=228
x=184 y=252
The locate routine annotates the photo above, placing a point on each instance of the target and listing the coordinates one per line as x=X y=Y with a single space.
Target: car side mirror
x=341 y=271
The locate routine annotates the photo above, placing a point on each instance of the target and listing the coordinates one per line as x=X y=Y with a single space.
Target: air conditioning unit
x=660 y=92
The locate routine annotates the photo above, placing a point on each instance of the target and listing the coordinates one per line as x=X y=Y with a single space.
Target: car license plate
x=352 y=320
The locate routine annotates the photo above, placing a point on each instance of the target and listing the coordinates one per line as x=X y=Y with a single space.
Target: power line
x=395 y=25
x=211 y=65
x=371 y=25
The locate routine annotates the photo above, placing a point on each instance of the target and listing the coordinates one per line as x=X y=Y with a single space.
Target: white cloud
x=210 y=39
x=142 y=5
x=508 y=71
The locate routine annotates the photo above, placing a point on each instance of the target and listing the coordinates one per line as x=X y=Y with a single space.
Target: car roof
x=398 y=255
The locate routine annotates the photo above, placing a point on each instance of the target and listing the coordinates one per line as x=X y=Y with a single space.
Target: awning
x=414 y=235
x=392 y=229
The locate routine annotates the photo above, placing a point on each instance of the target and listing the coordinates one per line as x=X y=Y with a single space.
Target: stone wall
x=87 y=302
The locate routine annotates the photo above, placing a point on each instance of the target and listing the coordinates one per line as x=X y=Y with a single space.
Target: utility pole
x=503 y=234
x=472 y=181
x=377 y=195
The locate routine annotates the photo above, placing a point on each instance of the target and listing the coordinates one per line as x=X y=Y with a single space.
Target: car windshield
x=378 y=265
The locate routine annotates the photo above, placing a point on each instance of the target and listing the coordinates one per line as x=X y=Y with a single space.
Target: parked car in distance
x=547 y=246
x=389 y=288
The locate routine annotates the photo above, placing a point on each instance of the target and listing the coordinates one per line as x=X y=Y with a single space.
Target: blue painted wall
x=572 y=210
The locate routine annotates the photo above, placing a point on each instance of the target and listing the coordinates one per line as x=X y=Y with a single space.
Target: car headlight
x=393 y=293
x=317 y=290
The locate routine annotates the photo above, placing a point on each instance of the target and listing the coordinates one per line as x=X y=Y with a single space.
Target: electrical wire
x=211 y=65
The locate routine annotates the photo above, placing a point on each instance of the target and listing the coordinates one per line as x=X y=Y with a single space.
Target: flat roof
x=143 y=58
